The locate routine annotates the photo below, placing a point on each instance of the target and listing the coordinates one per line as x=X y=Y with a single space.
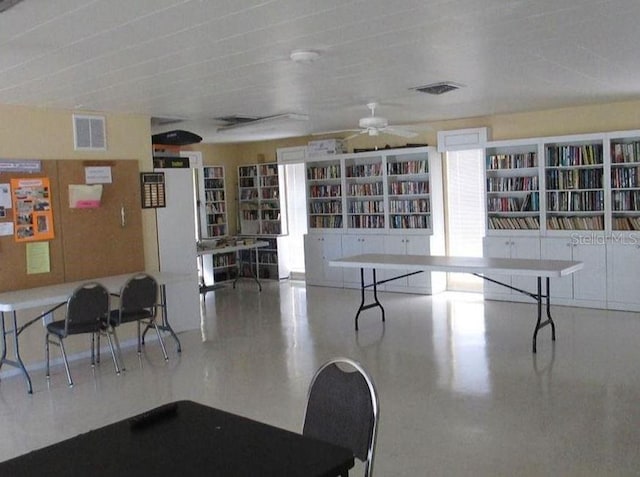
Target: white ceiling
x=201 y=59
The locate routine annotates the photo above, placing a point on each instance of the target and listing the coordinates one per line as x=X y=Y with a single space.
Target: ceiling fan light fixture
x=304 y=56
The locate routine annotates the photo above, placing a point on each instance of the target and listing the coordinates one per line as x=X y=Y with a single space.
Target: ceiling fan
x=374 y=125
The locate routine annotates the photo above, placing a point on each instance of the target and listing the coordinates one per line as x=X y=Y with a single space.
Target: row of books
x=269 y=181
x=366 y=207
x=224 y=259
x=216 y=230
x=325 y=172
x=408 y=167
x=248 y=194
x=530 y=203
x=373 y=188
x=215 y=208
x=325 y=190
x=625 y=177
x=512 y=161
x=271 y=228
x=247 y=182
x=574 y=155
x=270 y=214
x=364 y=170
x=408 y=187
x=626 y=223
x=514 y=223
x=325 y=221
x=410 y=206
x=268 y=169
x=247 y=171
x=625 y=200
x=366 y=221
x=508 y=184
x=576 y=223
x=574 y=179
x=211 y=171
x=214 y=183
x=625 y=152
x=214 y=195
x=410 y=222
x=325 y=207
x=575 y=201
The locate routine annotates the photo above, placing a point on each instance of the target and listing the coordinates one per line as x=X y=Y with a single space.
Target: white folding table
x=477 y=266
x=51 y=297
x=206 y=250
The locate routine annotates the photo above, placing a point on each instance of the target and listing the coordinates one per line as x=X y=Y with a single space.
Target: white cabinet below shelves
x=319 y=249
x=425 y=282
x=588 y=286
x=510 y=247
x=356 y=245
x=623 y=263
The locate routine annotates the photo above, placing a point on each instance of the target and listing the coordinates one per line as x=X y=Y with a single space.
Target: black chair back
x=87 y=309
x=342 y=408
x=138 y=298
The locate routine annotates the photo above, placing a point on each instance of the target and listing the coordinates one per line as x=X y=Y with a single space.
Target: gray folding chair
x=87 y=312
x=138 y=302
x=343 y=408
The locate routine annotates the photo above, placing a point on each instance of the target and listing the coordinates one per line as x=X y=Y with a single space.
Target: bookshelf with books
x=512 y=188
x=625 y=183
x=574 y=185
x=364 y=192
x=248 y=200
x=260 y=198
x=409 y=192
x=364 y=197
x=215 y=203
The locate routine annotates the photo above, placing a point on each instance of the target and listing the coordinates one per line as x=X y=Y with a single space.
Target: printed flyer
x=33 y=216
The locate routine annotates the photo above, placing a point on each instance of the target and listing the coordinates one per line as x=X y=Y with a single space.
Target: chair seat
x=127 y=317
x=57 y=328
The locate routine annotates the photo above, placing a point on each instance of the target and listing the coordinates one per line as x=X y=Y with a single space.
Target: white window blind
x=465 y=212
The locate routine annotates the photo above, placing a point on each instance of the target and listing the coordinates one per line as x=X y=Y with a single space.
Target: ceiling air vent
x=7 y=4
x=235 y=119
x=163 y=121
x=438 y=88
x=89 y=133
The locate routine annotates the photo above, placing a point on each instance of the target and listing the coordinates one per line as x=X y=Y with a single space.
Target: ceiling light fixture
x=304 y=56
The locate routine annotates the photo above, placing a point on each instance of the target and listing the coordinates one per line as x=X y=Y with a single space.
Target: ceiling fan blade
x=356 y=134
x=337 y=131
x=399 y=132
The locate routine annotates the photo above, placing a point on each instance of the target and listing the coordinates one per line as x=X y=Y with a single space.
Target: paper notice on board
x=85 y=196
x=98 y=175
x=38 y=260
x=6 y=228
x=5 y=196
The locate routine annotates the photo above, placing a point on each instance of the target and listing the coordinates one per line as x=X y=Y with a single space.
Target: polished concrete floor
x=460 y=391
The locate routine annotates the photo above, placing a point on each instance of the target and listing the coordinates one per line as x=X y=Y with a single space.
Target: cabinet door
x=394 y=244
x=623 y=262
x=497 y=247
x=332 y=249
x=418 y=245
x=356 y=245
x=558 y=249
x=527 y=248
x=590 y=283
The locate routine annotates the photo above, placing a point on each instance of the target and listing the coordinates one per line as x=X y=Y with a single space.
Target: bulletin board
x=86 y=242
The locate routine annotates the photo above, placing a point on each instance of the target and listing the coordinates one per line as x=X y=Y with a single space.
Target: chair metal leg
x=66 y=363
x=164 y=351
x=46 y=353
x=139 y=339
x=112 y=330
x=113 y=354
x=93 y=350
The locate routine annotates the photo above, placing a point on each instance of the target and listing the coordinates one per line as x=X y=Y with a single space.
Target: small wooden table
x=185 y=439
x=475 y=265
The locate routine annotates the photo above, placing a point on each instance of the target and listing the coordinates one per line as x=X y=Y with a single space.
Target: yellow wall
x=556 y=122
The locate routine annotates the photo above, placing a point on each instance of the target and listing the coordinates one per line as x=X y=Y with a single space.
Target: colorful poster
x=33 y=215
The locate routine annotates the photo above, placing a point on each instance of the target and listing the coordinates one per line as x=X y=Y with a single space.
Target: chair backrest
x=87 y=308
x=139 y=294
x=343 y=408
